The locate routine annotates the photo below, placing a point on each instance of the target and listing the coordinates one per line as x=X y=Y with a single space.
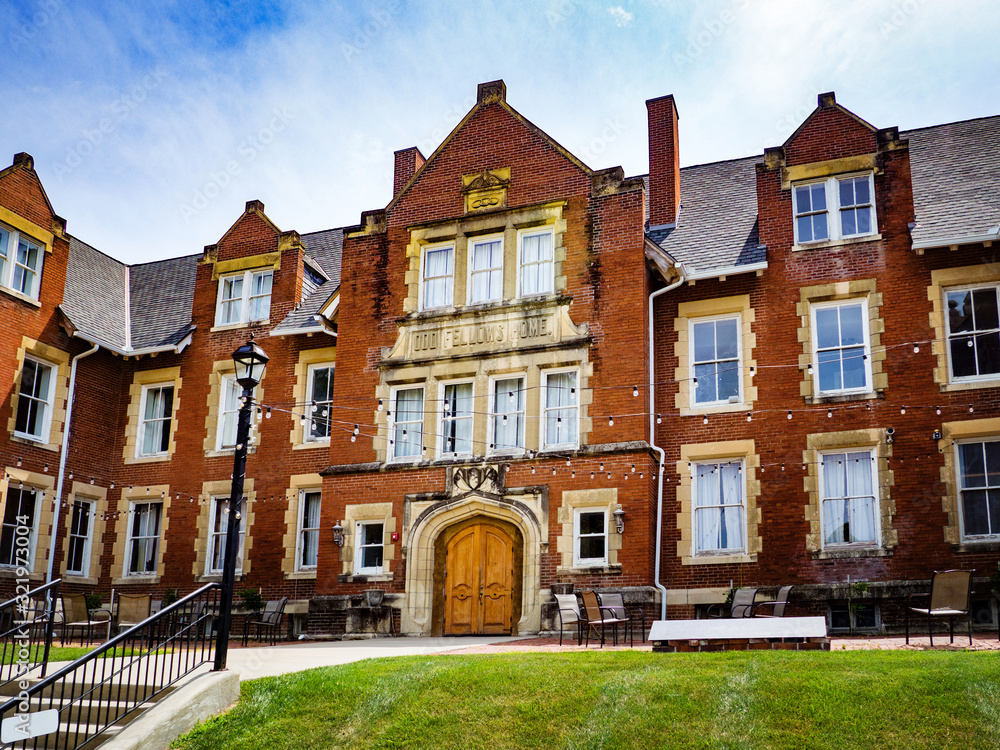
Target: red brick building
x=739 y=373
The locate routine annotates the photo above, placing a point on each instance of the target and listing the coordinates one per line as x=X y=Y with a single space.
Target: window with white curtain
x=143 y=544
x=407 y=423
x=370 y=549
x=78 y=554
x=438 y=277
x=244 y=297
x=218 y=528
x=486 y=270
x=561 y=410
x=35 y=401
x=456 y=419
x=20 y=262
x=849 y=502
x=507 y=415
x=720 y=515
x=156 y=412
x=229 y=412
x=309 y=506
x=537 y=268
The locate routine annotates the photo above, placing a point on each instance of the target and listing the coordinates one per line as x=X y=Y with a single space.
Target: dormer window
x=244 y=297
x=20 y=262
x=836 y=208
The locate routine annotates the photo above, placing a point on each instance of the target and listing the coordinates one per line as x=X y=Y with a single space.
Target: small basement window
x=853 y=617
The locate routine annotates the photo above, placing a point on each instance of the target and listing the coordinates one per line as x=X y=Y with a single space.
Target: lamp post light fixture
x=338 y=534
x=251 y=362
x=619 y=515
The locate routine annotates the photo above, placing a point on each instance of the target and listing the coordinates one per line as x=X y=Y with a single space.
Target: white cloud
x=622 y=17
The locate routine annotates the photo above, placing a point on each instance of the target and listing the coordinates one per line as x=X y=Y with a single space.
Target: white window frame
x=960 y=489
x=515 y=412
x=692 y=322
x=866 y=355
x=489 y=271
x=543 y=409
x=140 y=441
x=316 y=411
x=302 y=530
x=32 y=536
x=358 y=547
x=834 y=223
x=952 y=377
x=218 y=536
x=129 y=538
x=742 y=505
x=550 y=276
x=467 y=418
x=876 y=503
x=48 y=401
x=589 y=562
x=220 y=428
x=449 y=277
x=87 y=509
x=393 y=423
x=246 y=296
x=10 y=243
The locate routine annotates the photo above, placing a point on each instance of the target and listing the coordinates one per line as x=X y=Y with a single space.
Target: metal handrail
x=21 y=631
x=98 y=690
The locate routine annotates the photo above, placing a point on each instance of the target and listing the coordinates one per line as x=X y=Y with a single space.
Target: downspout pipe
x=63 y=452
x=654 y=446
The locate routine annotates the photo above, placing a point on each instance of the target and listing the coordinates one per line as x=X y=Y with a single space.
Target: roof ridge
x=954 y=122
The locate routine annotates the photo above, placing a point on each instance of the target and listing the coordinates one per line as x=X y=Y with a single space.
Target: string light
x=829 y=413
x=916 y=348
x=749 y=417
x=635 y=391
x=902 y=410
x=789 y=413
x=611 y=421
x=809 y=369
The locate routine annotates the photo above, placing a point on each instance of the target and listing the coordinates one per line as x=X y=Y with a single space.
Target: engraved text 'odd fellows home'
x=492 y=333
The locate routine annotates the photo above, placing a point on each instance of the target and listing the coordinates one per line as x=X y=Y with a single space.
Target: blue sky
x=152 y=123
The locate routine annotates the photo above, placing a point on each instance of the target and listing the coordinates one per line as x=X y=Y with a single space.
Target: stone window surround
x=222 y=488
x=596 y=499
x=353 y=513
x=142 y=380
x=44 y=485
x=847 y=440
x=833 y=227
x=140 y=494
x=490 y=395
x=232 y=267
x=60 y=362
x=480 y=371
x=941 y=280
x=688 y=313
x=98 y=498
x=837 y=291
x=308 y=358
x=297 y=484
x=507 y=223
x=43 y=237
x=693 y=453
x=219 y=370
x=952 y=433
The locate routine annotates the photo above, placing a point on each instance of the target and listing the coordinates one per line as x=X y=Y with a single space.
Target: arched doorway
x=477 y=575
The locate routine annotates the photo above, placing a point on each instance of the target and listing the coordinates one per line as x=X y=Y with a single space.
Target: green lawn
x=855 y=699
x=60 y=653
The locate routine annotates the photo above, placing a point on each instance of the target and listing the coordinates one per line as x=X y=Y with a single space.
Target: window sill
x=238 y=326
x=843 y=553
x=312 y=444
x=381 y=578
x=725 y=408
x=969 y=385
x=301 y=575
x=843 y=398
x=127 y=580
x=217 y=578
x=22 y=297
x=6 y=572
x=722 y=559
x=228 y=452
x=149 y=459
x=833 y=244
x=970 y=545
x=589 y=570
x=14 y=438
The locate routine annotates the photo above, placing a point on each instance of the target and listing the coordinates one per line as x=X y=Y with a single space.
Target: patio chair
x=269 y=621
x=615 y=604
x=741 y=606
x=131 y=609
x=597 y=616
x=948 y=597
x=777 y=606
x=569 y=614
x=77 y=616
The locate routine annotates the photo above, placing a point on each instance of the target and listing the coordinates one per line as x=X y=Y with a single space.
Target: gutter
x=658 y=449
x=992 y=234
x=63 y=451
x=176 y=348
x=727 y=271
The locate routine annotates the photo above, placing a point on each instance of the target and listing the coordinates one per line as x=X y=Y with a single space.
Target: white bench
x=741 y=630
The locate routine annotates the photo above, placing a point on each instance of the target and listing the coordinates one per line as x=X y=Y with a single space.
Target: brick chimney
x=408 y=161
x=664 y=161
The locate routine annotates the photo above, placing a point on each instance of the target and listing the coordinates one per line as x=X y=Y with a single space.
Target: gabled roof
x=717 y=224
x=161 y=295
x=956 y=182
x=324 y=248
x=94 y=297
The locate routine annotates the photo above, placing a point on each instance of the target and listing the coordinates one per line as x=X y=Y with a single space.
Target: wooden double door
x=480 y=580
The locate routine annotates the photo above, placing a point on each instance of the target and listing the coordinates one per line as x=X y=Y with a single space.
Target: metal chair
x=569 y=614
x=741 y=606
x=948 y=597
x=777 y=606
x=76 y=615
x=269 y=622
x=598 y=616
x=131 y=609
x=615 y=604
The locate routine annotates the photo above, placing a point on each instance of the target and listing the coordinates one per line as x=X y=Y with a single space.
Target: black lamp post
x=250 y=362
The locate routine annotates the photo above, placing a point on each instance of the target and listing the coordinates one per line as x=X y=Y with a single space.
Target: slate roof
x=956 y=180
x=325 y=249
x=161 y=296
x=94 y=296
x=717 y=224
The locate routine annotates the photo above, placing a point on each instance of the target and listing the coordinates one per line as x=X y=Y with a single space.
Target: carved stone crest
x=487 y=479
x=486 y=189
